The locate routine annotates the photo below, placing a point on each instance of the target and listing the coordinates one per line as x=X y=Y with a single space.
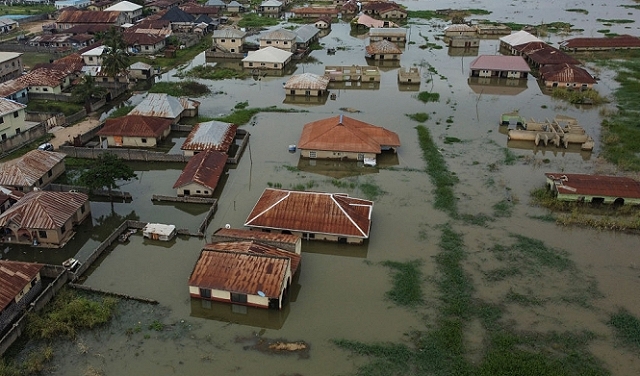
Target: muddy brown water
x=340 y=292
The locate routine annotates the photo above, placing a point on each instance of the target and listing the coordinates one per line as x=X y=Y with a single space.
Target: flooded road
x=340 y=293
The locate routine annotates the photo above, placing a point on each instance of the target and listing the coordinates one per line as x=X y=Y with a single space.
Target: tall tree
x=115 y=60
x=106 y=172
x=86 y=90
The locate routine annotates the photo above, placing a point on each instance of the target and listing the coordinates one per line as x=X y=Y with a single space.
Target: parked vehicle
x=46 y=147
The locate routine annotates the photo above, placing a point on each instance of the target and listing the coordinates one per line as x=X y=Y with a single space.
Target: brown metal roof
x=135 y=126
x=68 y=64
x=204 y=168
x=12 y=86
x=43 y=77
x=215 y=135
x=381 y=6
x=618 y=41
x=8 y=106
x=383 y=47
x=88 y=28
x=544 y=54
x=342 y=133
x=313 y=212
x=314 y=10
x=238 y=271
x=135 y=38
x=15 y=276
x=26 y=170
x=595 y=185
x=242 y=234
x=43 y=209
x=566 y=73
x=75 y=16
x=309 y=81
x=499 y=62
x=258 y=248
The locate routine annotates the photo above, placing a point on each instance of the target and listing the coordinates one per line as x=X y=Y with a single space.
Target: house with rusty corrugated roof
x=166 y=106
x=383 y=50
x=33 y=170
x=312 y=215
x=540 y=54
x=384 y=10
x=134 y=131
x=596 y=189
x=568 y=76
x=287 y=242
x=20 y=283
x=210 y=135
x=617 y=42
x=499 y=66
x=307 y=84
x=342 y=137
x=201 y=174
x=244 y=272
x=44 y=218
x=73 y=17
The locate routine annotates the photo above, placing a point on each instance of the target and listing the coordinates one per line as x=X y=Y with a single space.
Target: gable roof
x=284 y=241
x=254 y=246
x=242 y=267
x=44 y=209
x=618 y=41
x=271 y=3
x=124 y=6
x=14 y=277
x=26 y=170
x=369 y=21
x=279 y=34
x=229 y=33
x=543 y=54
x=519 y=37
x=383 y=47
x=342 y=133
x=76 y=16
x=216 y=135
x=135 y=126
x=386 y=31
x=306 y=32
x=133 y=39
x=8 y=106
x=176 y=15
x=315 y=212
x=159 y=105
x=204 y=169
x=43 y=77
x=595 y=185
x=268 y=55
x=499 y=62
x=307 y=81
x=566 y=73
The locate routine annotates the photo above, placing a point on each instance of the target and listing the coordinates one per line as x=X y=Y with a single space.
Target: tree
x=115 y=60
x=86 y=90
x=105 y=172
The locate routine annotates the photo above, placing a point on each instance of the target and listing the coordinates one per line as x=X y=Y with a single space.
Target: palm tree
x=116 y=59
x=86 y=90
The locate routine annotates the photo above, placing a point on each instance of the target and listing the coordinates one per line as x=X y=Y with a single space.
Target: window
x=1 y=119
x=63 y=229
x=221 y=40
x=82 y=209
x=15 y=114
x=49 y=173
x=205 y=293
x=42 y=234
x=144 y=140
x=17 y=130
x=232 y=40
x=146 y=47
x=250 y=64
x=268 y=42
x=313 y=154
x=40 y=181
x=45 y=89
x=238 y=298
x=198 y=191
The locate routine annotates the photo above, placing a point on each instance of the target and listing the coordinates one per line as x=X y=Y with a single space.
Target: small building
x=245 y=272
x=12 y=118
x=99 y=5
x=10 y=65
x=383 y=50
x=280 y=38
x=35 y=169
x=305 y=36
x=365 y=21
x=132 y=12
x=499 y=66
x=490 y=29
x=566 y=76
x=396 y=35
x=235 y=7
x=270 y=8
x=20 y=283
x=79 y=4
x=210 y=135
x=307 y=84
x=201 y=174
x=7 y=25
x=518 y=38
x=409 y=75
x=338 y=73
x=464 y=42
x=93 y=57
x=323 y=23
x=73 y=17
x=44 y=218
x=459 y=30
x=267 y=58
x=141 y=71
x=287 y=242
x=384 y=10
x=159 y=231
x=228 y=40
x=312 y=215
x=135 y=131
x=618 y=42
x=144 y=44
x=342 y=137
x=15 y=90
x=595 y=189
x=540 y=54
x=166 y=106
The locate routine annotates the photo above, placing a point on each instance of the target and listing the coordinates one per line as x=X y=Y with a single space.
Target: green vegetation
x=420 y=117
x=27 y=9
x=441 y=177
x=509 y=157
x=531 y=254
x=450 y=15
x=254 y=20
x=426 y=97
x=627 y=328
x=122 y=111
x=181 y=88
x=370 y=190
x=614 y=21
x=503 y=209
x=243 y=115
x=578 y=96
x=209 y=72
x=451 y=140
x=67 y=108
x=30 y=59
x=407 y=282
x=107 y=171
x=68 y=313
x=343 y=184
x=35 y=362
x=577 y=10
x=182 y=56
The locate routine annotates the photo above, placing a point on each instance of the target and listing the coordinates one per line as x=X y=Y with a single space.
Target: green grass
x=209 y=72
x=532 y=254
x=579 y=96
x=182 y=56
x=66 y=108
x=509 y=157
x=243 y=115
x=627 y=328
x=122 y=111
x=500 y=274
x=614 y=21
x=441 y=177
x=577 y=10
x=257 y=21
x=503 y=209
x=451 y=140
x=427 y=97
x=420 y=117
x=30 y=59
x=27 y=9
x=370 y=190
x=407 y=283
x=181 y=88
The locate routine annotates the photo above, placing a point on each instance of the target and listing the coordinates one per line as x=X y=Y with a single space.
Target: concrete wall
x=324 y=154
x=23 y=138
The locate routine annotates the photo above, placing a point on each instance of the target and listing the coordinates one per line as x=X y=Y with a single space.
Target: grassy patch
x=503 y=209
x=577 y=10
x=544 y=218
x=68 y=313
x=509 y=157
x=532 y=254
x=209 y=72
x=427 y=97
x=181 y=88
x=26 y=9
x=389 y=358
x=243 y=115
x=407 y=281
x=370 y=190
x=182 y=56
x=420 y=117
x=579 y=96
x=522 y=299
x=441 y=177
x=451 y=140
x=66 y=108
x=254 y=20
x=500 y=274
x=627 y=328
x=122 y=111
x=30 y=59
x=614 y=21
x=479 y=219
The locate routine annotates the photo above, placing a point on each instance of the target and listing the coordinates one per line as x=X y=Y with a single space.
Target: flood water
x=340 y=292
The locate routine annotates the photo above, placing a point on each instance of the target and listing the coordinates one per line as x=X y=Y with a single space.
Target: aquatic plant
x=626 y=327
x=181 y=88
x=406 y=289
x=426 y=97
x=420 y=117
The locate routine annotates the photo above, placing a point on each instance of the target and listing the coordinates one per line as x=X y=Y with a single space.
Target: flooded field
x=341 y=292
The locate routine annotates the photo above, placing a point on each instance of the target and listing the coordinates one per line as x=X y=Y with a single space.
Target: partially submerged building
x=270 y=58
x=33 y=170
x=383 y=50
x=20 y=283
x=201 y=174
x=135 y=131
x=499 y=66
x=307 y=84
x=210 y=135
x=596 y=189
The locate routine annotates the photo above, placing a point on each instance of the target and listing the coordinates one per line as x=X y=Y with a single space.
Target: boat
x=125 y=235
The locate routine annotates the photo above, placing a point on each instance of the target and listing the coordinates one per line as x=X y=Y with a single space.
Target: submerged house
x=342 y=137
x=383 y=50
x=307 y=84
x=287 y=242
x=135 y=131
x=244 y=272
x=44 y=218
x=267 y=58
x=312 y=215
x=33 y=170
x=209 y=135
x=20 y=283
x=201 y=174
x=499 y=66
x=597 y=189
x=566 y=76
x=166 y=106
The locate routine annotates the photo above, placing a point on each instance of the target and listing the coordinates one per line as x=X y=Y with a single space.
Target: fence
x=126 y=154
x=22 y=138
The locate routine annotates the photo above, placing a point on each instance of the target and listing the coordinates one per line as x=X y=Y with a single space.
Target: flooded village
x=371 y=188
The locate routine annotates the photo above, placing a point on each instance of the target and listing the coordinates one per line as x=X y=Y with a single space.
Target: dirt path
x=66 y=134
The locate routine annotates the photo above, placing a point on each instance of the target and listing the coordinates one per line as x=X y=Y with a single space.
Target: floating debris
x=275 y=346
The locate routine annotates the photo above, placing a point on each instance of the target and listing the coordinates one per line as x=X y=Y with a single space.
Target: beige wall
x=313 y=93
x=315 y=236
x=324 y=154
x=386 y=57
x=570 y=85
x=230 y=44
x=26 y=289
x=125 y=141
x=11 y=68
x=194 y=188
x=11 y=124
x=287 y=45
x=247 y=64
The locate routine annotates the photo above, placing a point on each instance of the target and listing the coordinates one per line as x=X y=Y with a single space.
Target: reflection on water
x=305 y=99
x=497 y=86
x=549 y=149
x=350 y=85
x=336 y=169
x=335 y=249
x=240 y=314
